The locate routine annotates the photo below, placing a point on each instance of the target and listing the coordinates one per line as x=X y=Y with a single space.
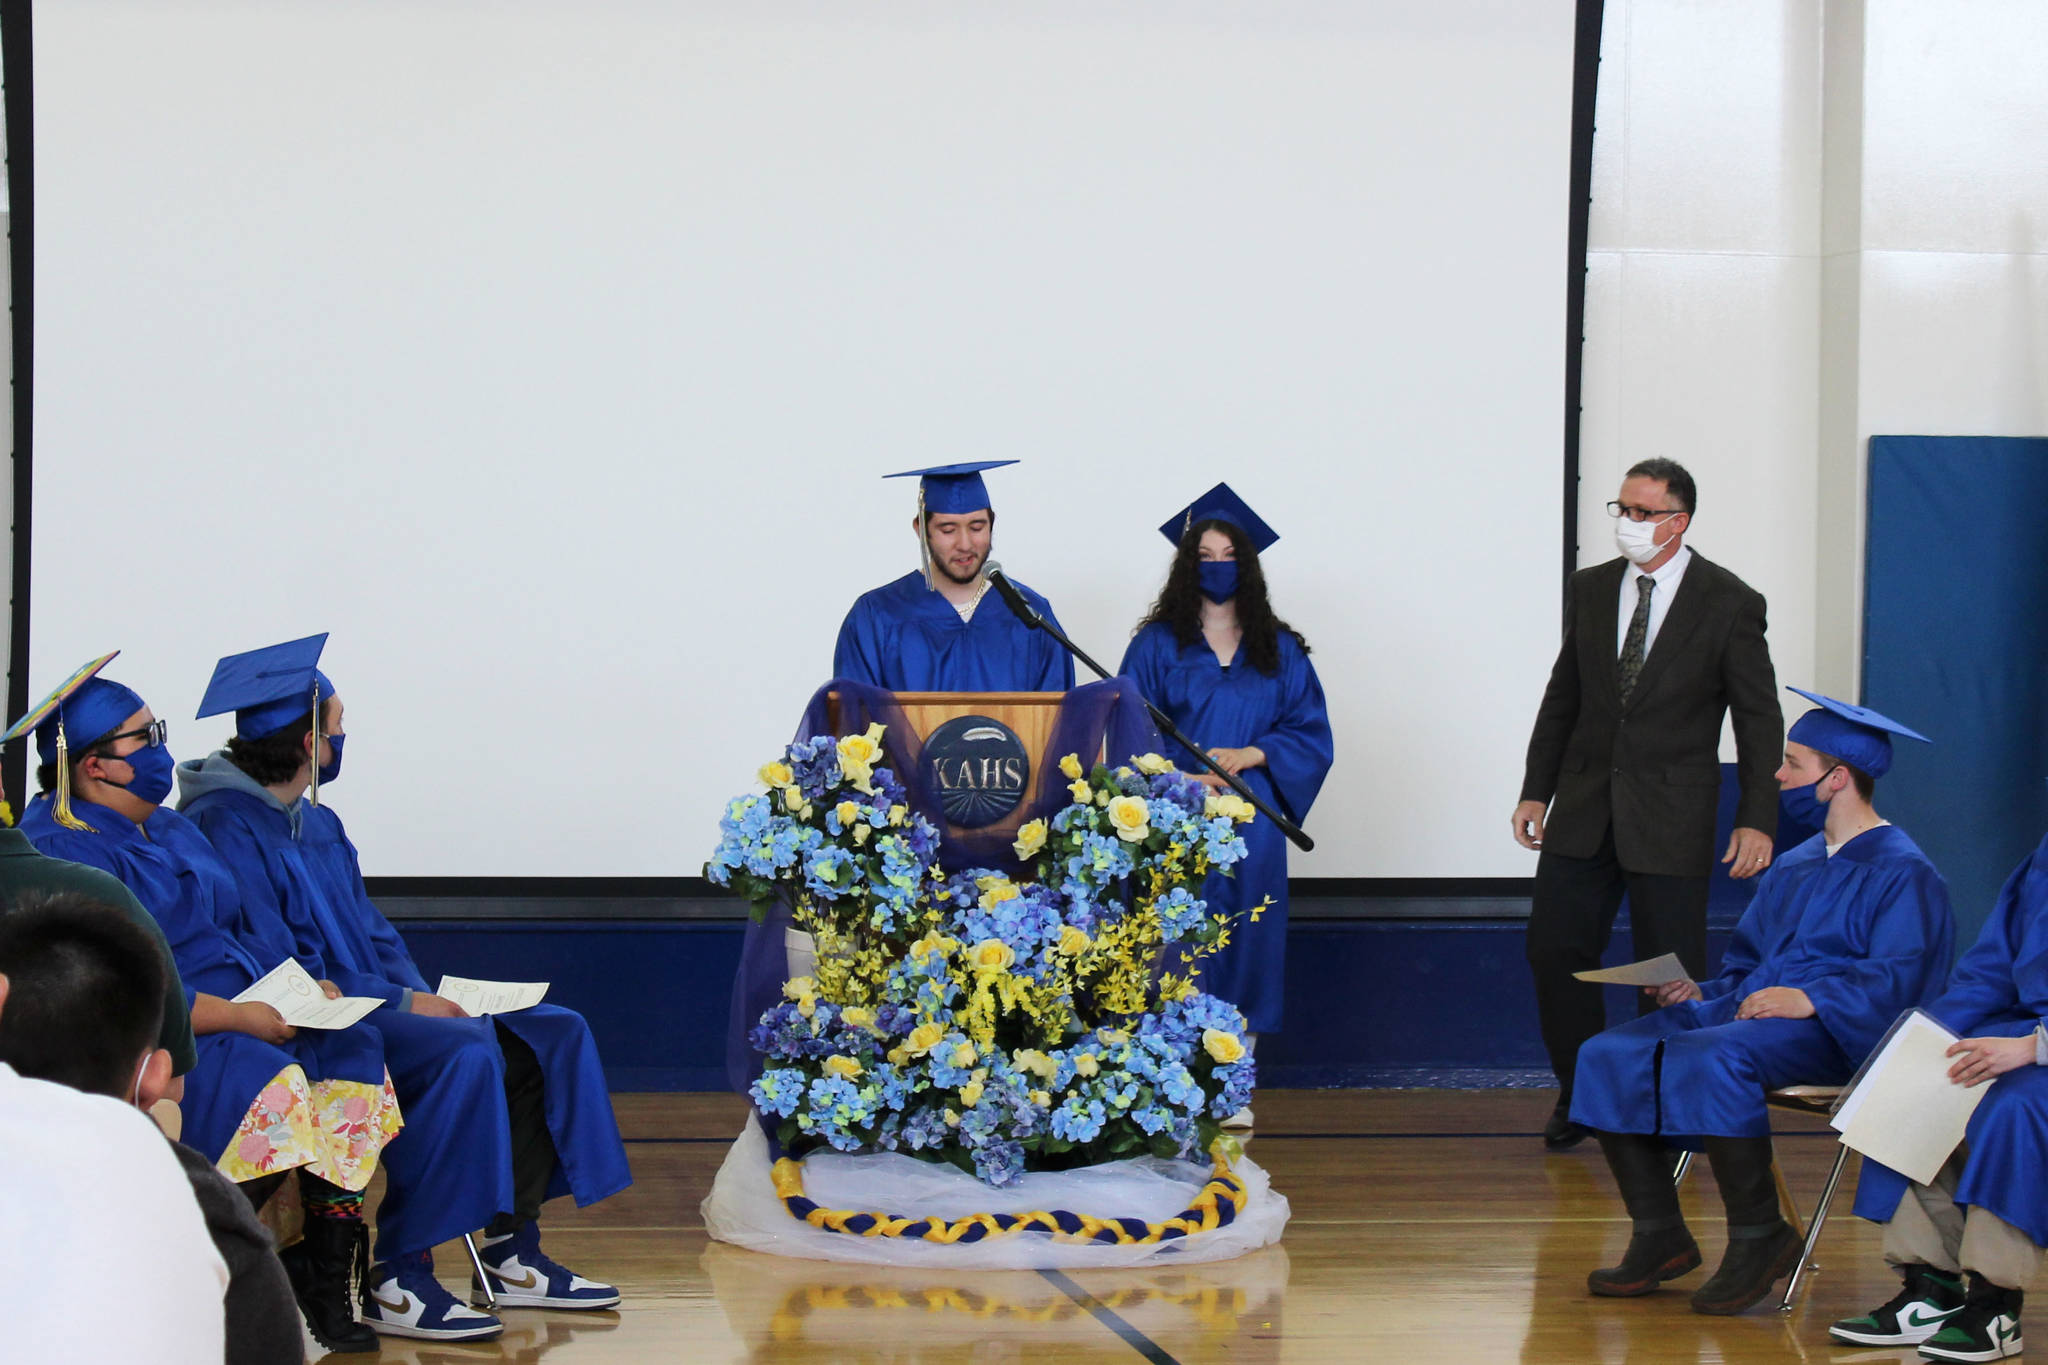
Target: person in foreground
x=1623 y=776
x=1237 y=680
x=86 y=987
x=1846 y=930
x=934 y=629
x=1985 y=1216
x=521 y=1096
x=265 y=1100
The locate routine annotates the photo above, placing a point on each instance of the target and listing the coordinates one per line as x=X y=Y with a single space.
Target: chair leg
x=1820 y=1218
x=1678 y=1171
x=476 y=1263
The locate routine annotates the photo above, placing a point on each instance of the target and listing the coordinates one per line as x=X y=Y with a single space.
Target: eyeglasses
x=1622 y=509
x=153 y=735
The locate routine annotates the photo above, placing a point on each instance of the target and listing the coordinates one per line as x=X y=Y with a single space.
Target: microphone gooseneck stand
x=1034 y=618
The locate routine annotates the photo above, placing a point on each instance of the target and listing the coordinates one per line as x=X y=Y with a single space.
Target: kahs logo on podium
x=979 y=768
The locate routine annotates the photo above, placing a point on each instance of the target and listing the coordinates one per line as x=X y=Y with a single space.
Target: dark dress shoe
x=1560 y=1134
x=1651 y=1259
x=1748 y=1270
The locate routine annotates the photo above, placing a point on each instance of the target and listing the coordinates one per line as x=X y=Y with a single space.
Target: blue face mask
x=1803 y=806
x=331 y=769
x=154 y=769
x=1218 y=578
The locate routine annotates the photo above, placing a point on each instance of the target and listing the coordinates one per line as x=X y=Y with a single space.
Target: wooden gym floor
x=1428 y=1225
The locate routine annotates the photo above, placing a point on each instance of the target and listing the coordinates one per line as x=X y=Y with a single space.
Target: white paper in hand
x=291 y=990
x=1902 y=1109
x=491 y=997
x=1654 y=972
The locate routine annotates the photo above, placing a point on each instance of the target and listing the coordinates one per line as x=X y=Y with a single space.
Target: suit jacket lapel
x=1603 y=620
x=1687 y=609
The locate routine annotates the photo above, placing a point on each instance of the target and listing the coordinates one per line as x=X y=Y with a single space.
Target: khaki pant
x=1928 y=1229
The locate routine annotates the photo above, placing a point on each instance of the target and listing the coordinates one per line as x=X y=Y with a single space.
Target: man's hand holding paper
x=1981 y=1059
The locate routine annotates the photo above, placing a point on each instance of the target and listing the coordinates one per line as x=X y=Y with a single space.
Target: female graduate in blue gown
x=1236 y=679
x=913 y=636
x=1998 y=990
x=258 y=1103
x=294 y=865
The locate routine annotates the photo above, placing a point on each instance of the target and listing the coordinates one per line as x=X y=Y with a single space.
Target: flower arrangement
x=996 y=1023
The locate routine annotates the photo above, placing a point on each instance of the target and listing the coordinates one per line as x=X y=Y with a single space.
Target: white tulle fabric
x=742 y=1209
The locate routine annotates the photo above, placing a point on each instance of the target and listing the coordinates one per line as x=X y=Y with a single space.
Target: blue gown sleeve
x=395 y=958
x=246 y=859
x=857 y=655
x=1982 y=996
x=1298 y=745
x=1910 y=933
x=1745 y=950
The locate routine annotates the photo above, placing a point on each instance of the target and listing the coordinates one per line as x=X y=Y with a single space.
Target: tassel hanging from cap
x=61 y=809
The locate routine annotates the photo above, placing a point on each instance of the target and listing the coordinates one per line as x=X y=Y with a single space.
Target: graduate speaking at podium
x=927 y=631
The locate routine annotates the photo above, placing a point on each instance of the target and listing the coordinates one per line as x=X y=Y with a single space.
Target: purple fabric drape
x=1106 y=717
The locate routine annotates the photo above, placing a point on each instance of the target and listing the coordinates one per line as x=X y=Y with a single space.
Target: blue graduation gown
x=905 y=637
x=1998 y=990
x=194 y=902
x=449 y=1073
x=1863 y=933
x=1286 y=716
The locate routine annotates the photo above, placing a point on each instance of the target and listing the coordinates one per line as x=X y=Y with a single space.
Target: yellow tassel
x=61 y=809
x=6 y=814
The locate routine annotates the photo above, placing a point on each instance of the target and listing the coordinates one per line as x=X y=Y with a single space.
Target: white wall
x=1812 y=223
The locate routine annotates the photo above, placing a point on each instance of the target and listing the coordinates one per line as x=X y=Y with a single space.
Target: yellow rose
x=898 y=814
x=1041 y=1099
x=952 y=1119
x=1224 y=1047
x=1105 y=796
x=860 y=835
x=1082 y=792
x=848 y=813
x=1037 y=1063
x=848 y=1067
x=1086 y=1065
x=970 y=1094
x=1030 y=839
x=1070 y=766
x=807 y=1005
x=861 y=750
x=996 y=890
x=861 y=775
x=797 y=987
x=1131 y=818
x=991 y=955
x=897 y=1056
x=933 y=942
x=1152 y=763
x=1115 y=1037
x=777 y=774
x=1229 y=805
x=1073 y=941
x=857 y=1016
x=794 y=801
x=964 y=1055
x=924 y=1038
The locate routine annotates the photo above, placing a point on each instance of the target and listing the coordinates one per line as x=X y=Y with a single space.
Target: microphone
x=1014 y=600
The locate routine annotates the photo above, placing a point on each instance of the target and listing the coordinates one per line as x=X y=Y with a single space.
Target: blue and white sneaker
x=521 y=1275
x=403 y=1299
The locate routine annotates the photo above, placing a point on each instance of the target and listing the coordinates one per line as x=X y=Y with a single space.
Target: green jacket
x=24 y=871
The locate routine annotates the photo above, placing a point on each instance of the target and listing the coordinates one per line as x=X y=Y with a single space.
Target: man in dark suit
x=1625 y=760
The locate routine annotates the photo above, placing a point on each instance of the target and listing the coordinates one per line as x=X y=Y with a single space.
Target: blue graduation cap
x=82 y=708
x=951 y=488
x=1855 y=734
x=1221 y=503
x=270 y=688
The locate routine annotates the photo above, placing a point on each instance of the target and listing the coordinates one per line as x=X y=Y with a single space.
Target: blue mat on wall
x=1955 y=644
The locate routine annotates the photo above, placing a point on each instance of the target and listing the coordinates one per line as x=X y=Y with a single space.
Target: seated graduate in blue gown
x=520 y=1097
x=1986 y=1213
x=263 y=1101
x=940 y=628
x=1847 y=929
x=1236 y=679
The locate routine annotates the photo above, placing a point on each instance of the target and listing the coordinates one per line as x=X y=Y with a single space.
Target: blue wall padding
x=1955 y=644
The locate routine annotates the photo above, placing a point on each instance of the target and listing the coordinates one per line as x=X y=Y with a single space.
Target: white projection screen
x=550 y=355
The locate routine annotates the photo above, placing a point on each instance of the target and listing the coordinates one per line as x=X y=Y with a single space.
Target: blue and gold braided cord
x=1218 y=1204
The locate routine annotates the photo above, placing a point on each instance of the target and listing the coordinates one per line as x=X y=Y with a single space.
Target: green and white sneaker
x=1986 y=1327
x=1927 y=1300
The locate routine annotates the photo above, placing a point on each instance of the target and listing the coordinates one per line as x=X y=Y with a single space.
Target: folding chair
x=1804 y=1099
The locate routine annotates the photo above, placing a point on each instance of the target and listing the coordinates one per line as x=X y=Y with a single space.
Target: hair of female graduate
x=1180 y=601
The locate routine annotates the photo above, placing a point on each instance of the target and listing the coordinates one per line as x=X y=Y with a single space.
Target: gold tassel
x=61 y=811
x=313 y=792
x=924 y=540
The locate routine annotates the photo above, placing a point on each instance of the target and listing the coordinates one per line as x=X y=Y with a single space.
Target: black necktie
x=1636 y=644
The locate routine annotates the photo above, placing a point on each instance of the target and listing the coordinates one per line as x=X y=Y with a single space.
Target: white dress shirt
x=1660 y=598
x=104 y=1254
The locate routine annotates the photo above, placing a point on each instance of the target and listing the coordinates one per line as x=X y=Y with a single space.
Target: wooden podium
x=1031 y=716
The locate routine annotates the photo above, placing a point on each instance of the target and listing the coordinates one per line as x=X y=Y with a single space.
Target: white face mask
x=1637 y=540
